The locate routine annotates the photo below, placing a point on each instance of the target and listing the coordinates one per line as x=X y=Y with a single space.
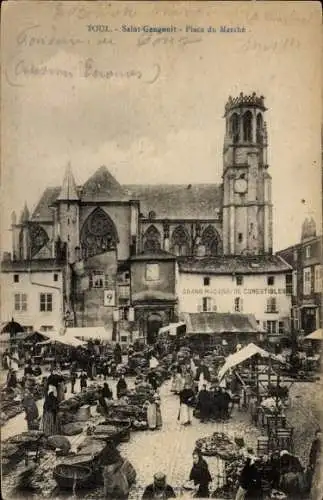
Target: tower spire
x=24 y=217
x=68 y=191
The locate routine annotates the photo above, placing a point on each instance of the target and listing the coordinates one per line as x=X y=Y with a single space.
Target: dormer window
x=152 y=215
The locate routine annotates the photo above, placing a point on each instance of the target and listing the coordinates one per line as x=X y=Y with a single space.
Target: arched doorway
x=154 y=322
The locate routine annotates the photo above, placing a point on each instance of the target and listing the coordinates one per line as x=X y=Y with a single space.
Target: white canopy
x=240 y=356
x=62 y=339
x=171 y=328
x=317 y=335
x=90 y=332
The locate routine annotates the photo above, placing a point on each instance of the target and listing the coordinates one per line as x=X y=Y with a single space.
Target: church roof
x=69 y=189
x=178 y=201
x=167 y=201
x=102 y=186
x=43 y=212
x=235 y=264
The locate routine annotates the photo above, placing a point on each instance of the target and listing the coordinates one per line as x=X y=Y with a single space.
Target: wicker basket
x=70 y=476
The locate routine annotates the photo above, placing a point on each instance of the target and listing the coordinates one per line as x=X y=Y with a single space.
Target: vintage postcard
x=161 y=250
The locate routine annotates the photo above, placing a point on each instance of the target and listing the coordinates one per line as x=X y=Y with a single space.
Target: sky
x=150 y=106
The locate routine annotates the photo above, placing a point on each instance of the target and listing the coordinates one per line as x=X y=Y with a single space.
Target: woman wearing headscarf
x=121 y=387
x=50 y=420
x=118 y=476
x=201 y=476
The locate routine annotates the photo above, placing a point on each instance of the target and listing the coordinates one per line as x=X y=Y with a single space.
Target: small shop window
x=270 y=280
x=20 y=302
x=55 y=277
x=271 y=305
x=16 y=278
x=46 y=302
x=206 y=281
x=239 y=280
x=237 y=304
x=206 y=304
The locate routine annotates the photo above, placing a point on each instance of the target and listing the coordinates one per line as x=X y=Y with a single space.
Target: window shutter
x=199 y=308
x=214 y=308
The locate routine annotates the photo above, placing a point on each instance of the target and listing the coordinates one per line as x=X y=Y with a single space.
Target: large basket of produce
x=108 y=431
x=124 y=426
x=70 y=476
x=218 y=444
x=139 y=425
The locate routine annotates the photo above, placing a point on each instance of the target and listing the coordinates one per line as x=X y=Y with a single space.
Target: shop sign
x=234 y=291
x=109 y=298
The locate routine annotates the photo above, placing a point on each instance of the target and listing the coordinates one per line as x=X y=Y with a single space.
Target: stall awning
x=317 y=335
x=240 y=356
x=62 y=339
x=217 y=323
x=90 y=332
x=171 y=328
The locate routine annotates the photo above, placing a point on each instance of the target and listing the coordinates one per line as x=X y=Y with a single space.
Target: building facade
x=305 y=258
x=246 y=285
x=126 y=253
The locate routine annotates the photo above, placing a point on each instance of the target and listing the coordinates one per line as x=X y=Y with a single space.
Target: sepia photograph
x=161 y=318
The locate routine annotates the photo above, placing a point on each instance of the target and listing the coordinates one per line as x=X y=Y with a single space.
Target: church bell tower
x=247 y=207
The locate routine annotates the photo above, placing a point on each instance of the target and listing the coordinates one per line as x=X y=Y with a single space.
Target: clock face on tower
x=240 y=186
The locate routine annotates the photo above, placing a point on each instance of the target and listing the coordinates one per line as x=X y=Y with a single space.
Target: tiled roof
x=178 y=201
x=31 y=265
x=234 y=264
x=102 y=186
x=152 y=295
x=209 y=323
x=160 y=255
x=43 y=211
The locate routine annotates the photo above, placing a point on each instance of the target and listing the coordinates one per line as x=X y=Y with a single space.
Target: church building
x=129 y=257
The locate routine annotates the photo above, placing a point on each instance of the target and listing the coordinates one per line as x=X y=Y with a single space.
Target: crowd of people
x=198 y=393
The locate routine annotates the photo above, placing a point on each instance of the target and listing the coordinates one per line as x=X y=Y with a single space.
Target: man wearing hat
x=159 y=488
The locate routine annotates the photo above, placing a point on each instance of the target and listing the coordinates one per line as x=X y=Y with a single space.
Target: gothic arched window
x=38 y=238
x=180 y=241
x=98 y=234
x=210 y=241
x=152 y=240
x=235 y=127
x=247 y=126
x=259 y=128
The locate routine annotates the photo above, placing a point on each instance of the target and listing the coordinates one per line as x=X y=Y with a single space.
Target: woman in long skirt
x=152 y=415
x=50 y=420
x=159 y=420
x=179 y=381
x=186 y=399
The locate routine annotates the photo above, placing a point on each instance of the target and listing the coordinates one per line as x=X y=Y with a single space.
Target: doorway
x=154 y=323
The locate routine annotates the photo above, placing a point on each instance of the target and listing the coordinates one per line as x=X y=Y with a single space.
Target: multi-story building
x=126 y=254
x=305 y=258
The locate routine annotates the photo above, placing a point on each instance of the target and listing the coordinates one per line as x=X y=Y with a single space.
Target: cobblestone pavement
x=170 y=449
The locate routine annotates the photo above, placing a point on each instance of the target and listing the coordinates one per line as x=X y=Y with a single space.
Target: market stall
x=205 y=331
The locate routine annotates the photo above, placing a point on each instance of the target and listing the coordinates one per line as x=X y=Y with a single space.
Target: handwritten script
x=21 y=71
